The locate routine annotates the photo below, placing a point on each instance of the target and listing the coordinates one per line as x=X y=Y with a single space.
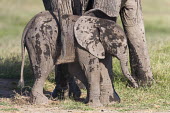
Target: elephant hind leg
x=42 y=65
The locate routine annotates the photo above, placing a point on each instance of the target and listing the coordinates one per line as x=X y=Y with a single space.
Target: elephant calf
x=95 y=40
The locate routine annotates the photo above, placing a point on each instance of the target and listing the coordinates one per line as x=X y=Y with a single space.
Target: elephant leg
x=42 y=65
x=65 y=83
x=76 y=71
x=61 y=80
x=108 y=93
x=132 y=20
x=74 y=90
x=90 y=64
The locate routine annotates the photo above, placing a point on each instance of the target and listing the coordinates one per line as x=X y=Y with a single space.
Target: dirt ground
x=12 y=102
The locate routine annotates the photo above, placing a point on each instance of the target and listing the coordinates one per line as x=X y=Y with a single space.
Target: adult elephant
x=131 y=15
x=95 y=38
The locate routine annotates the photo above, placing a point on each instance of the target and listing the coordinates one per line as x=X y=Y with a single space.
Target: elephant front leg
x=106 y=88
x=94 y=87
x=108 y=94
x=90 y=64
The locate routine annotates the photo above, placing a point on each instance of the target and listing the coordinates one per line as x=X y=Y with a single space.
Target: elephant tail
x=21 y=81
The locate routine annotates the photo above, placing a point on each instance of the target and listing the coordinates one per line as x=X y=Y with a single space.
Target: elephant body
x=131 y=16
x=42 y=38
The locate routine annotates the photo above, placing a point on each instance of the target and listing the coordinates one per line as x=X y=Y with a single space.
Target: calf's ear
x=87 y=35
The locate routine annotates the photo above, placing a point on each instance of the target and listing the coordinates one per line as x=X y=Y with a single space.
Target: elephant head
x=102 y=35
x=97 y=34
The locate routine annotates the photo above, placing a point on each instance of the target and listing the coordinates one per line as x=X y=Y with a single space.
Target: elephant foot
x=75 y=95
x=104 y=99
x=95 y=103
x=56 y=92
x=86 y=100
x=108 y=96
x=74 y=92
x=60 y=93
x=39 y=99
x=116 y=97
x=108 y=100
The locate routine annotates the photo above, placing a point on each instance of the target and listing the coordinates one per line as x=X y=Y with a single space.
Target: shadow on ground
x=11 y=65
x=8 y=89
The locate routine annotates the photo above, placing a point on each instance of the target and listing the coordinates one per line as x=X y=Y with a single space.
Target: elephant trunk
x=124 y=67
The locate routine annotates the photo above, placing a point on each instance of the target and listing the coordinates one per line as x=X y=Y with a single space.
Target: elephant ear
x=88 y=36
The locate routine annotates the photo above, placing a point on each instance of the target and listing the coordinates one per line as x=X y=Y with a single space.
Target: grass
x=71 y=105
x=9 y=109
x=3 y=104
x=6 y=107
x=15 y=14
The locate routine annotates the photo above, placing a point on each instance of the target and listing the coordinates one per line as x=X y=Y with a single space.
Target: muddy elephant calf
x=95 y=40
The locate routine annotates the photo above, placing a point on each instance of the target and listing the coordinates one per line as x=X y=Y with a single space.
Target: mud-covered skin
x=78 y=7
x=41 y=37
x=41 y=40
x=131 y=15
x=104 y=36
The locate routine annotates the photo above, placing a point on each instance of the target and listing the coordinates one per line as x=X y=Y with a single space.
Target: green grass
x=9 y=109
x=13 y=17
x=156 y=97
x=6 y=107
x=14 y=14
x=71 y=105
x=3 y=104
